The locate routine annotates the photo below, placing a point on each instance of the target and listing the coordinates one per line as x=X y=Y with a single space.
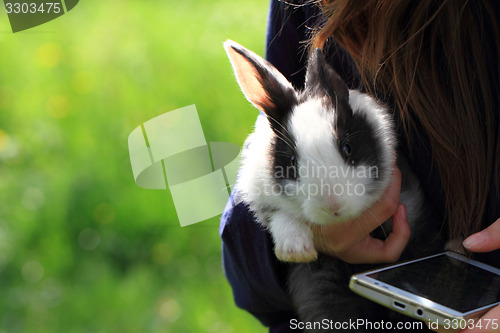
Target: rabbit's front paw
x=296 y=249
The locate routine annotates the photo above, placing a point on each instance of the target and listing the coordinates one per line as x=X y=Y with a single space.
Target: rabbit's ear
x=263 y=85
x=322 y=79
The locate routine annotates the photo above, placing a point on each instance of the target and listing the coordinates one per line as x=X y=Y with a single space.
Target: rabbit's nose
x=334 y=204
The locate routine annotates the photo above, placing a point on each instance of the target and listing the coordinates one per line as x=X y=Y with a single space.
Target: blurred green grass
x=82 y=248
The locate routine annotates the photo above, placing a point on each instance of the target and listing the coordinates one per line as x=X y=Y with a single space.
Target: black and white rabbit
x=319 y=156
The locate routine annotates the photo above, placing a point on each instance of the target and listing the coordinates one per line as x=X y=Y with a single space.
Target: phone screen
x=447 y=281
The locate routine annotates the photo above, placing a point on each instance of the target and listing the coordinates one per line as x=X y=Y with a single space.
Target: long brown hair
x=430 y=57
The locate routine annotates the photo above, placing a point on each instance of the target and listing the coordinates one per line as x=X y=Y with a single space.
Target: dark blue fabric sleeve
x=288 y=30
x=255 y=275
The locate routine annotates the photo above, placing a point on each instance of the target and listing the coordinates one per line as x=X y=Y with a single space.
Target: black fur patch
x=283 y=100
x=365 y=147
x=357 y=140
x=285 y=159
x=321 y=78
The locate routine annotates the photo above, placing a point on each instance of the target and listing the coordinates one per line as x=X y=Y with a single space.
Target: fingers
x=486 y=240
x=398 y=239
x=372 y=250
x=387 y=206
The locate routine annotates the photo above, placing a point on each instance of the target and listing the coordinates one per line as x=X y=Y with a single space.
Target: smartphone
x=441 y=288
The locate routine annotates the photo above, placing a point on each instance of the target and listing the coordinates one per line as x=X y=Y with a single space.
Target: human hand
x=485 y=241
x=351 y=241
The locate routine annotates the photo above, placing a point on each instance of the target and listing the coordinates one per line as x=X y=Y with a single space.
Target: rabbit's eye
x=292 y=170
x=346 y=150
